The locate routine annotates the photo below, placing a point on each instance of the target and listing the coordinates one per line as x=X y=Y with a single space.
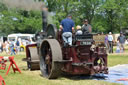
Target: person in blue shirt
x=12 y=48
x=17 y=46
x=67 y=26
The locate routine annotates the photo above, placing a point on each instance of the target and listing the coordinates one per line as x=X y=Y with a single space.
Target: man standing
x=67 y=25
x=106 y=42
x=121 y=40
x=110 y=41
x=17 y=46
x=86 y=28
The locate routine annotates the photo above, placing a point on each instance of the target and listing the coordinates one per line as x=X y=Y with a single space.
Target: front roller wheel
x=50 y=54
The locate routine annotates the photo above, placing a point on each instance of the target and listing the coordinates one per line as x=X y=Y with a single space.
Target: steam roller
x=53 y=58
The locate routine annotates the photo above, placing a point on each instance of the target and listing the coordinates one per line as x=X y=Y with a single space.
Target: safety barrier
x=3 y=61
x=2 y=82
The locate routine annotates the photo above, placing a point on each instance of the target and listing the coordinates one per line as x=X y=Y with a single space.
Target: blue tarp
x=115 y=73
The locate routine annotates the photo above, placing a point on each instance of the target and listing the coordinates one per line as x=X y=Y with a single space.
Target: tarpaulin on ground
x=117 y=74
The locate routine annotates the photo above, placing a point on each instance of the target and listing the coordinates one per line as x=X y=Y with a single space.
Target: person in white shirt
x=78 y=30
x=1 y=46
x=7 y=47
x=110 y=41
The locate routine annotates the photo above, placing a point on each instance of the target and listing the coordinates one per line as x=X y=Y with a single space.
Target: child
x=118 y=48
x=12 y=48
x=78 y=30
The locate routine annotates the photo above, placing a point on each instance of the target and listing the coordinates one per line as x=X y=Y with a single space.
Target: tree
x=19 y=21
x=114 y=13
x=103 y=15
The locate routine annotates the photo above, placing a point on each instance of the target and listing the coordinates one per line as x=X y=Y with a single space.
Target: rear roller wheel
x=33 y=66
x=50 y=54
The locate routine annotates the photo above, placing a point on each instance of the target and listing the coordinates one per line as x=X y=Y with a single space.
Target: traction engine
x=50 y=55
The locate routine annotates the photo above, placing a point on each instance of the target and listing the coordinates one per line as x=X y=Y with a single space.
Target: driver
x=86 y=28
x=67 y=25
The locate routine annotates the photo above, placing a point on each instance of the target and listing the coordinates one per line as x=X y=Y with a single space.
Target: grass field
x=34 y=77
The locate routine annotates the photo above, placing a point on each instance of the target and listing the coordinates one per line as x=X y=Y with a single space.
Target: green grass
x=33 y=77
x=117 y=59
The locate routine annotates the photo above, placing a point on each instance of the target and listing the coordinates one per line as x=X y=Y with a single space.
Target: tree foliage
x=103 y=15
x=19 y=21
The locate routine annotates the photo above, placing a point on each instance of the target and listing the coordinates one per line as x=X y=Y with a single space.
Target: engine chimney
x=44 y=18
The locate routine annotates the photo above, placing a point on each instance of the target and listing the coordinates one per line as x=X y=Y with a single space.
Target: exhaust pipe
x=44 y=18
